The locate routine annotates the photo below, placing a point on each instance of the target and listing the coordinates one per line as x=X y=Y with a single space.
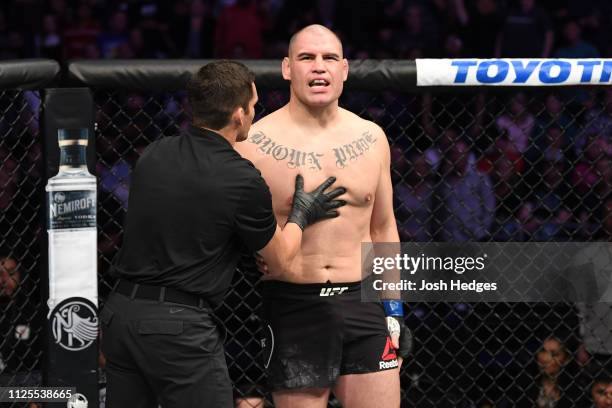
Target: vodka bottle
x=71 y=223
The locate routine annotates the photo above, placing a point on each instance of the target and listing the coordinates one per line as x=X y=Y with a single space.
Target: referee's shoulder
x=243 y=168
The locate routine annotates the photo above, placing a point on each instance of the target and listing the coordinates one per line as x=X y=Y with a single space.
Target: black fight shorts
x=314 y=333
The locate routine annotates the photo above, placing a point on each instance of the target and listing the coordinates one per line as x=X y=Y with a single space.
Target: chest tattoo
x=293 y=157
x=349 y=152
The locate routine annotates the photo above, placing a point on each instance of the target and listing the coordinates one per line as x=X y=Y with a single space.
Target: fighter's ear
x=345 y=69
x=286 y=69
x=238 y=116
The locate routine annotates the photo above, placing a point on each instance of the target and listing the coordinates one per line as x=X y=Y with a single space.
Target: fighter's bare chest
x=353 y=159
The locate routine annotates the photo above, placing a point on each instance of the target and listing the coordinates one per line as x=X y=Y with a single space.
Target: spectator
x=485 y=19
x=453 y=46
x=550 y=380
x=553 y=202
x=451 y=14
x=292 y=16
x=117 y=34
x=81 y=33
x=598 y=121
x=418 y=37
x=590 y=177
x=449 y=138
x=594 y=19
x=601 y=392
x=413 y=195
x=352 y=16
x=555 y=146
x=517 y=125
x=467 y=194
x=526 y=32
x=553 y=115
x=194 y=32
x=575 y=46
x=510 y=194
x=49 y=42
x=16 y=352
x=241 y=24
x=149 y=38
x=10 y=277
x=385 y=44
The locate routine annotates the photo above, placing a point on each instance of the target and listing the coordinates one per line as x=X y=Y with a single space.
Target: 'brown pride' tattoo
x=294 y=158
x=353 y=150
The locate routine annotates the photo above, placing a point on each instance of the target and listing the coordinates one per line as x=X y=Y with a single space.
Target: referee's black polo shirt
x=194 y=203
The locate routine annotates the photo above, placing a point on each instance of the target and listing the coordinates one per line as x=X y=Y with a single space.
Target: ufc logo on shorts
x=333 y=291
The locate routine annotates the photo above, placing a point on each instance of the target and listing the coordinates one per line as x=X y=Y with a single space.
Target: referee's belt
x=159 y=293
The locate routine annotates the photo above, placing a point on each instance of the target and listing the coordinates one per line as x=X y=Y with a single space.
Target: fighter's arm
x=383 y=227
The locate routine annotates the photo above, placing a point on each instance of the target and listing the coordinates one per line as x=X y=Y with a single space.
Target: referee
x=194 y=204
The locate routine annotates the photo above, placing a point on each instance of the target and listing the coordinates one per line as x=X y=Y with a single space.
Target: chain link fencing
x=541 y=163
x=541 y=159
x=21 y=184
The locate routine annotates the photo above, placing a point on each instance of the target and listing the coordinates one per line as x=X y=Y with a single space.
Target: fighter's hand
x=261 y=264
x=317 y=205
x=401 y=337
x=395 y=343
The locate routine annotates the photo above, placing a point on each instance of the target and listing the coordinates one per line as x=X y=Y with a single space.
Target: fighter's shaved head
x=315 y=29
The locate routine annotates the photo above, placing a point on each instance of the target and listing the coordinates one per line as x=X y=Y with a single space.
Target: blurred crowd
x=408 y=29
x=467 y=166
x=505 y=167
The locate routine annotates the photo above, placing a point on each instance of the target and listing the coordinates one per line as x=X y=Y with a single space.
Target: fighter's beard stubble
x=294 y=158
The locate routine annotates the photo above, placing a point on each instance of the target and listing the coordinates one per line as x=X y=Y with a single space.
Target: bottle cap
x=72 y=134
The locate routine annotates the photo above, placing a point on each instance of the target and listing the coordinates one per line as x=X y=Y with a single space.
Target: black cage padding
x=28 y=74
x=172 y=75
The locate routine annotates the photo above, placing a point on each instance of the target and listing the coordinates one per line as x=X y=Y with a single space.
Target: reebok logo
x=389 y=357
x=333 y=291
x=387 y=364
x=389 y=352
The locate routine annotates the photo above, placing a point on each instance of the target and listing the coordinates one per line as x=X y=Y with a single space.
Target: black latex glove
x=309 y=208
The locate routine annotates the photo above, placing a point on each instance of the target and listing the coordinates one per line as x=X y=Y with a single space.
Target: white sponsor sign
x=513 y=72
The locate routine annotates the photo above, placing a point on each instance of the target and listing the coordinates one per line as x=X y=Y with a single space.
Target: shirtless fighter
x=321 y=336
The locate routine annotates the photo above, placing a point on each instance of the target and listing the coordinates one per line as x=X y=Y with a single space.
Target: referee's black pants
x=162 y=353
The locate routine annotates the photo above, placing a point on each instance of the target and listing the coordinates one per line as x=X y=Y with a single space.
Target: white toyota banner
x=513 y=72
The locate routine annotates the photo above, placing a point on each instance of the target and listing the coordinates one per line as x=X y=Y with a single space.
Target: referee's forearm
x=282 y=250
x=292 y=237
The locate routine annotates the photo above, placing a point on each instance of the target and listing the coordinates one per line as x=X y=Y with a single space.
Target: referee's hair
x=216 y=90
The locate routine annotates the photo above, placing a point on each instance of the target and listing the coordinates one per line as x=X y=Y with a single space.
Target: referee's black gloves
x=309 y=208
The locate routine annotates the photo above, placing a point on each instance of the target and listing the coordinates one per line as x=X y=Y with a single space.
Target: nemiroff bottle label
x=71 y=209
